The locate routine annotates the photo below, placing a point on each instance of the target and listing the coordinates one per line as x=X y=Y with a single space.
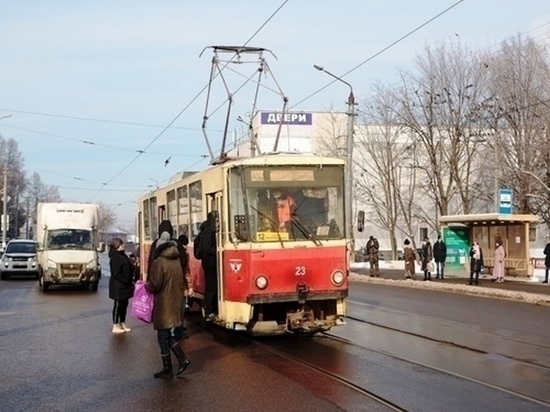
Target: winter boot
x=166 y=371
x=183 y=362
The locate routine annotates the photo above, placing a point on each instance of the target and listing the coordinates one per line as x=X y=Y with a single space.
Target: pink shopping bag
x=142 y=303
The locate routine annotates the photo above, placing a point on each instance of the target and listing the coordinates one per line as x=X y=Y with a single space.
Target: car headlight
x=337 y=277
x=261 y=282
x=52 y=264
x=92 y=264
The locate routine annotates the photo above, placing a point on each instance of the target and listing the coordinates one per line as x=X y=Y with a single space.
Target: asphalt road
x=58 y=354
x=426 y=350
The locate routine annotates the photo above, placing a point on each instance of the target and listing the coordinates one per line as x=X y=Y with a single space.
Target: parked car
x=19 y=258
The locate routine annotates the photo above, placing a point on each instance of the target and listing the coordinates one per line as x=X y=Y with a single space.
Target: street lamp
x=349 y=157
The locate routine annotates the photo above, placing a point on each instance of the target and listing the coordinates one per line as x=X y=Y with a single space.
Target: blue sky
x=131 y=67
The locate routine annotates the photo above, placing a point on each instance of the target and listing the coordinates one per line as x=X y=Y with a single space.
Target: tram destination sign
x=296 y=119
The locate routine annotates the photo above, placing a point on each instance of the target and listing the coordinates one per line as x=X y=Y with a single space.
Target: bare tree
x=519 y=83
x=381 y=157
x=439 y=106
x=107 y=217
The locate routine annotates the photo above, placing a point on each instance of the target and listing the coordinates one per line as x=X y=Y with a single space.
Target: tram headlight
x=261 y=282
x=337 y=277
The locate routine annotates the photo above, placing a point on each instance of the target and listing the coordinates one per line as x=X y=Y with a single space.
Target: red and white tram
x=282 y=253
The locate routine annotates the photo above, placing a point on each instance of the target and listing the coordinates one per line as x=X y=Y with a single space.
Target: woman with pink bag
x=167 y=283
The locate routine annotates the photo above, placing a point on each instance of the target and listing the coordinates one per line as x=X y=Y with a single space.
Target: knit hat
x=164 y=237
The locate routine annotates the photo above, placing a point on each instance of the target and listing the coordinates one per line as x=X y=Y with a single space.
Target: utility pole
x=5 y=204
x=349 y=159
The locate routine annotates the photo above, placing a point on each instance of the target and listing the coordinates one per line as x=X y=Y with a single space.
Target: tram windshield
x=287 y=203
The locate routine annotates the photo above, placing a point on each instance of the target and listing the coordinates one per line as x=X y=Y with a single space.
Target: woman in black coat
x=121 y=285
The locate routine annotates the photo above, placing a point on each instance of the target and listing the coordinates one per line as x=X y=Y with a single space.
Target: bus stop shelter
x=459 y=232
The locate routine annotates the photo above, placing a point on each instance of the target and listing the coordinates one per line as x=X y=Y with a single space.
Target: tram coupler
x=302 y=290
x=301 y=320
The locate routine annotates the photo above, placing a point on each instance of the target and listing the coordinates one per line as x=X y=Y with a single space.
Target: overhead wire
x=91 y=143
x=186 y=107
x=399 y=40
x=91 y=119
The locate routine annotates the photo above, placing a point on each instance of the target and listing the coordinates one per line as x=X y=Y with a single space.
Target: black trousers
x=211 y=280
x=472 y=276
x=120 y=309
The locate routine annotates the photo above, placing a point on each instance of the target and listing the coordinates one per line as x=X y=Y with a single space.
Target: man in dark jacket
x=440 y=255
x=546 y=261
x=209 y=262
x=167 y=283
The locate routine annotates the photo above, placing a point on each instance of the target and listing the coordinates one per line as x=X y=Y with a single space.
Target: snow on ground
x=463 y=288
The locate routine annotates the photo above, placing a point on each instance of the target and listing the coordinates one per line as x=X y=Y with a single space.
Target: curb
x=480 y=291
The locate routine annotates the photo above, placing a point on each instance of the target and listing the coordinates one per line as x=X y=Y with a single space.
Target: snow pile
x=534 y=298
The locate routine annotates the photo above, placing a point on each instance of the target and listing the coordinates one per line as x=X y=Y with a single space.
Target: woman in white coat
x=500 y=255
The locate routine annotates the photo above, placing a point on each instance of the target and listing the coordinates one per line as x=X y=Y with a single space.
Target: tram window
x=183 y=211
x=238 y=224
x=154 y=217
x=195 y=199
x=146 y=219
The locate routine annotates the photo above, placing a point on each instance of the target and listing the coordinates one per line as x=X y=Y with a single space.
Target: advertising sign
x=296 y=119
x=457 y=240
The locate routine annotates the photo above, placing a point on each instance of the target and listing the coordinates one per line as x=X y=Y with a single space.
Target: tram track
x=200 y=326
x=334 y=376
x=440 y=370
x=353 y=383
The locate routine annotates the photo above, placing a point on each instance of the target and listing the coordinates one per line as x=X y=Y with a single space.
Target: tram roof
x=488 y=219
x=285 y=159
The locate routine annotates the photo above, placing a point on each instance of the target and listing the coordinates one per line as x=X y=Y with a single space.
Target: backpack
x=197 y=248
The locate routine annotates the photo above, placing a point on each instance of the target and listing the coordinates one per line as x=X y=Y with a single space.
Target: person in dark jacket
x=167 y=283
x=476 y=262
x=426 y=258
x=209 y=262
x=440 y=255
x=546 y=261
x=121 y=284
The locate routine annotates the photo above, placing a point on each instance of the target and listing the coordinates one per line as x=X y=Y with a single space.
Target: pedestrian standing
x=476 y=262
x=209 y=262
x=372 y=249
x=410 y=257
x=166 y=282
x=440 y=256
x=166 y=226
x=121 y=284
x=546 y=261
x=426 y=258
x=499 y=256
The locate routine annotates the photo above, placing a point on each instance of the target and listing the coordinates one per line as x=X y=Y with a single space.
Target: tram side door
x=215 y=204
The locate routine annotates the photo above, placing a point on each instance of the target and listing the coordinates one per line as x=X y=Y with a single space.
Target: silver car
x=19 y=258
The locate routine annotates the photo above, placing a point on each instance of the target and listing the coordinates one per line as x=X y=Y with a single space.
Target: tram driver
x=285 y=210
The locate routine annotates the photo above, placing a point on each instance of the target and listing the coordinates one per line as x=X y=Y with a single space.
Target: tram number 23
x=300 y=271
